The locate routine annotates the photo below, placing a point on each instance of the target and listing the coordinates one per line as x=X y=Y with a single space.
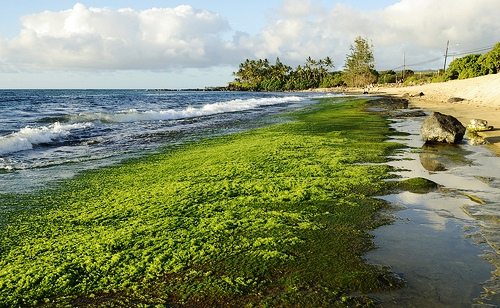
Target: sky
x=196 y=43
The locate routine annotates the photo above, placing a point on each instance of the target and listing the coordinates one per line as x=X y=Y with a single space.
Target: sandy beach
x=481 y=101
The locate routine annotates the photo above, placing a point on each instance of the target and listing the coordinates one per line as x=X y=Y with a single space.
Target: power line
x=461 y=53
x=418 y=63
x=471 y=51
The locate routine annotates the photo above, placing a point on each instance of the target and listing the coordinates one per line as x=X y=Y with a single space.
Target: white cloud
x=418 y=28
x=95 y=38
x=83 y=38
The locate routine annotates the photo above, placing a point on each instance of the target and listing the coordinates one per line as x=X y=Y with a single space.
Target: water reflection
x=441 y=240
x=441 y=157
x=428 y=248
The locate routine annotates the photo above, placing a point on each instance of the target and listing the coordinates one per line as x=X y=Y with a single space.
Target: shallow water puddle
x=440 y=241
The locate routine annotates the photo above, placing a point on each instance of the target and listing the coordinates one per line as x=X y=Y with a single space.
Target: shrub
x=410 y=81
x=491 y=60
x=475 y=65
x=465 y=67
x=387 y=77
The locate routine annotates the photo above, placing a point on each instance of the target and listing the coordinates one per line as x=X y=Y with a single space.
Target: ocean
x=50 y=135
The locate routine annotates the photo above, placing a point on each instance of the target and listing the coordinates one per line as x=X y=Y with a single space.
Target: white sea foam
x=5 y=165
x=133 y=115
x=26 y=137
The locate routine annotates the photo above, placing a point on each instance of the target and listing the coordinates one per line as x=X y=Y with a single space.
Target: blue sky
x=194 y=43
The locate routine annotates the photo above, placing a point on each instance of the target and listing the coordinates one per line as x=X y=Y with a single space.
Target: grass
x=274 y=216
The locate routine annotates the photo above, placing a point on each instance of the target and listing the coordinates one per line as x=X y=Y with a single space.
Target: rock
x=478 y=125
x=418 y=94
x=418 y=185
x=405 y=113
x=388 y=103
x=455 y=99
x=440 y=127
x=474 y=138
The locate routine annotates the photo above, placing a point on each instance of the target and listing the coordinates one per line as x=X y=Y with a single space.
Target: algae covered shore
x=273 y=216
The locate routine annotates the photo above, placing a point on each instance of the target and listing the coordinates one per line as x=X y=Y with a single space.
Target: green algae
x=418 y=185
x=273 y=216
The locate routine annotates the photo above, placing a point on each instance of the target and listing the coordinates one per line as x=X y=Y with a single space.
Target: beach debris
x=440 y=127
x=476 y=199
x=478 y=125
x=455 y=99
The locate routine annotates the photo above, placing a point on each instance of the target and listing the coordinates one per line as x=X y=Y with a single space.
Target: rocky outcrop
x=408 y=113
x=387 y=103
x=440 y=127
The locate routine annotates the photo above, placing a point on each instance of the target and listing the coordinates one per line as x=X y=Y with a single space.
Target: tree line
x=359 y=71
x=261 y=75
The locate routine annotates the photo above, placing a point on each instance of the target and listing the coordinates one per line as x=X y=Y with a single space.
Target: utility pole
x=446 y=55
x=404 y=68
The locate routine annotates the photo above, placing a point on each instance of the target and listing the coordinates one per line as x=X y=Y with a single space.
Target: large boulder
x=440 y=127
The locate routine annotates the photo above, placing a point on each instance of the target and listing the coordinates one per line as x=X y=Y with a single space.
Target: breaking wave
x=133 y=115
x=27 y=137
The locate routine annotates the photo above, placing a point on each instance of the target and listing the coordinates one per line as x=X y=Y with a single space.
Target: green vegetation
x=418 y=185
x=260 y=75
x=276 y=216
x=389 y=76
x=360 y=64
x=475 y=65
x=469 y=66
x=465 y=67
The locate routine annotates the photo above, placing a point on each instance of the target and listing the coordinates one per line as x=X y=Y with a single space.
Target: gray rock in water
x=440 y=127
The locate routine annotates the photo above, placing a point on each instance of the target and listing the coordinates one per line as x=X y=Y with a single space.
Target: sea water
x=49 y=135
x=444 y=243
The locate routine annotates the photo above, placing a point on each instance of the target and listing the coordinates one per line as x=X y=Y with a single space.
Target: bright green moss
x=418 y=185
x=277 y=215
